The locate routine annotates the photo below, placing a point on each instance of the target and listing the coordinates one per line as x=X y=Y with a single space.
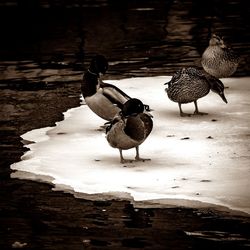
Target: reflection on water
x=139 y=38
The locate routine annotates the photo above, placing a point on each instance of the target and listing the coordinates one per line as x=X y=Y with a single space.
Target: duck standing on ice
x=189 y=84
x=130 y=128
x=218 y=59
x=105 y=100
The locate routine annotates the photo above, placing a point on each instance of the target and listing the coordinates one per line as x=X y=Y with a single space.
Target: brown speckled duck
x=189 y=84
x=218 y=59
x=130 y=128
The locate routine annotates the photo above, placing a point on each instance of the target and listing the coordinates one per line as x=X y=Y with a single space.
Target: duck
x=104 y=99
x=130 y=128
x=190 y=84
x=218 y=59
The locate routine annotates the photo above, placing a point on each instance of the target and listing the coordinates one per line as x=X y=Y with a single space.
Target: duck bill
x=223 y=97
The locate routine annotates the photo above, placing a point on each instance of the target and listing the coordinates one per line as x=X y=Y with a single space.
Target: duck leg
x=122 y=160
x=197 y=112
x=182 y=114
x=137 y=157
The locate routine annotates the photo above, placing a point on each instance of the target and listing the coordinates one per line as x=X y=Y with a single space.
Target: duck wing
x=231 y=55
x=138 y=127
x=114 y=94
x=134 y=128
x=147 y=122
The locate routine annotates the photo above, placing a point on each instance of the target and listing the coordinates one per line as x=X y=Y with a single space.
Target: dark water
x=45 y=47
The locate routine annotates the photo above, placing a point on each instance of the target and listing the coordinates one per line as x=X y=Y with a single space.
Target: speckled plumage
x=218 y=59
x=189 y=84
x=129 y=130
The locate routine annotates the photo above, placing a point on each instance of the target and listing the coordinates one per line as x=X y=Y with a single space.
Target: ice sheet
x=197 y=158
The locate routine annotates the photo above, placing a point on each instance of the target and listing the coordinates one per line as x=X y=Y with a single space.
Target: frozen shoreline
x=210 y=165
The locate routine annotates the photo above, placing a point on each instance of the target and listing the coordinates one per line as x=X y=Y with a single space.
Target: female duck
x=189 y=84
x=218 y=59
x=130 y=128
x=104 y=99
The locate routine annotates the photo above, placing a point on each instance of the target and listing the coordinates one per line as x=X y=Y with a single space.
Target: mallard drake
x=130 y=128
x=105 y=100
x=189 y=84
x=218 y=59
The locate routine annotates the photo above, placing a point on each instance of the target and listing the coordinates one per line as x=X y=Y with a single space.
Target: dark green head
x=99 y=64
x=132 y=107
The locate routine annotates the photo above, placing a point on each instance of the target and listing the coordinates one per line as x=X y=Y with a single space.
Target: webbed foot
x=182 y=114
x=200 y=113
x=127 y=161
x=142 y=159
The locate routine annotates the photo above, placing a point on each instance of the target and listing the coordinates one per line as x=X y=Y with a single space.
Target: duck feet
x=127 y=161
x=138 y=158
x=196 y=111
x=123 y=161
x=200 y=113
x=182 y=114
x=142 y=159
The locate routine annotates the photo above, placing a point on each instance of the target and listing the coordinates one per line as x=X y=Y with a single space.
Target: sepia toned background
x=45 y=47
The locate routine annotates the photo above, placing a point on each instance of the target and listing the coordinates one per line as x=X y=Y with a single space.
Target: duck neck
x=89 y=84
x=93 y=73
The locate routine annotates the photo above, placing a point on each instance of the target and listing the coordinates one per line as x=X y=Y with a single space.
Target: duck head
x=98 y=65
x=218 y=87
x=217 y=41
x=132 y=107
